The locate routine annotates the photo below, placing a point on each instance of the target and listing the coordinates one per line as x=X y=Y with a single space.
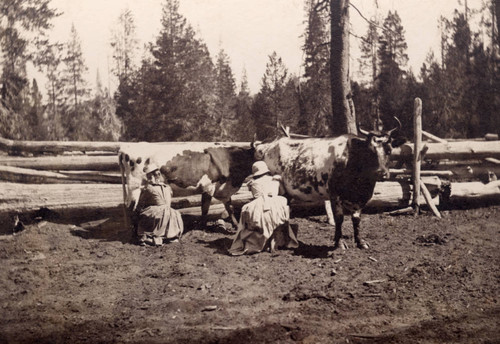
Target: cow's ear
x=398 y=141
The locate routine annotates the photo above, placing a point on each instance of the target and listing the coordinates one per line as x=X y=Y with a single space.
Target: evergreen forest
x=172 y=89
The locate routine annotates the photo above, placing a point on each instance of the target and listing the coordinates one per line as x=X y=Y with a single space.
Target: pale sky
x=248 y=30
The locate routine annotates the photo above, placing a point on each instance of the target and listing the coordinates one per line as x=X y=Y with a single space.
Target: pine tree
x=23 y=24
x=50 y=62
x=393 y=58
x=315 y=93
x=225 y=94
x=76 y=90
x=244 y=128
x=125 y=46
x=458 y=75
x=273 y=88
x=104 y=123
x=462 y=94
x=36 y=112
x=180 y=82
x=435 y=90
x=369 y=69
x=244 y=88
x=263 y=116
x=369 y=64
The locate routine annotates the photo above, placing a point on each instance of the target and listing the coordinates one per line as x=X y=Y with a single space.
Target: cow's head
x=133 y=179
x=133 y=158
x=374 y=149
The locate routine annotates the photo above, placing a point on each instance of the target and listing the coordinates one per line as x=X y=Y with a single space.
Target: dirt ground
x=422 y=281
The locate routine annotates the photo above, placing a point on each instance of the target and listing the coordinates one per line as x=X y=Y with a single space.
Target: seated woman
x=264 y=222
x=156 y=219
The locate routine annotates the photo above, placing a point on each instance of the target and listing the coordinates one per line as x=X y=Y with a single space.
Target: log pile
x=29 y=197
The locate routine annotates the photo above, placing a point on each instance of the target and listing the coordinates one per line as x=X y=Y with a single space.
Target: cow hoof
x=340 y=244
x=363 y=245
x=227 y=227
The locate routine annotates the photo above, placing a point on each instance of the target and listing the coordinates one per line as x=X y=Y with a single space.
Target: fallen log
x=65 y=162
x=455 y=150
x=428 y=199
x=94 y=176
x=464 y=194
x=14 y=146
x=492 y=160
x=25 y=175
x=58 y=147
x=433 y=137
x=474 y=170
x=422 y=173
x=21 y=198
x=15 y=196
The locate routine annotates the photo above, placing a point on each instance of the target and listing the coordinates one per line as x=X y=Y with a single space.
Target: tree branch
x=370 y=21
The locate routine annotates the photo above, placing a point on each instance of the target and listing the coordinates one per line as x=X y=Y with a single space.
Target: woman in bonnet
x=264 y=222
x=157 y=221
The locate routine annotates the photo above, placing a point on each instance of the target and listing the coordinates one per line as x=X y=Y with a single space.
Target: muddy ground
x=422 y=281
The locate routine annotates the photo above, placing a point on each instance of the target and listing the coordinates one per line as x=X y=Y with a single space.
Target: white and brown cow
x=209 y=169
x=343 y=170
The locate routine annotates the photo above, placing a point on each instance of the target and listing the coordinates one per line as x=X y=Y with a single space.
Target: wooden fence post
x=125 y=194
x=417 y=156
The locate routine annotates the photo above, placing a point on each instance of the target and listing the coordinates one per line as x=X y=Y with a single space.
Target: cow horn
x=286 y=131
x=364 y=132
x=396 y=128
x=254 y=144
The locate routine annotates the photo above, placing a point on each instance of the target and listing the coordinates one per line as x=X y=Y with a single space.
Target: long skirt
x=160 y=221
x=260 y=219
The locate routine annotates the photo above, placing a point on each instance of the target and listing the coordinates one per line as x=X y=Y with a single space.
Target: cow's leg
x=206 y=199
x=356 y=220
x=329 y=213
x=131 y=214
x=230 y=211
x=339 y=242
x=272 y=244
x=338 y=217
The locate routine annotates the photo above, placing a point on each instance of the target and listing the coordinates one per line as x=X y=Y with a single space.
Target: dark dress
x=156 y=218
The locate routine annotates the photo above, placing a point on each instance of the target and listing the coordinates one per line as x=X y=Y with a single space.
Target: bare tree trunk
x=344 y=120
x=497 y=15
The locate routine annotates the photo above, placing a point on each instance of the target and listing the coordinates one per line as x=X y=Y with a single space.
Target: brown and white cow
x=343 y=170
x=214 y=170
